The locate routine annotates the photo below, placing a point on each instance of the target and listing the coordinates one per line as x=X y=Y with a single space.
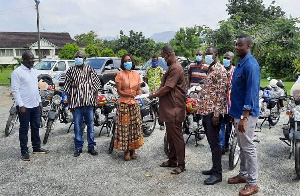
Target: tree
x=68 y=51
x=92 y=51
x=107 y=52
x=88 y=38
x=121 y=52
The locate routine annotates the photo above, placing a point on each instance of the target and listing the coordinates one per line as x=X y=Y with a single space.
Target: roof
x=25 y=39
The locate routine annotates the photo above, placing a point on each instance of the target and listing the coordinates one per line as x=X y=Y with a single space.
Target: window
x=57 y=51
x=71 y=63
x=44 y=52
x=61 y=66
x=44 y=65
x=6 y=52
x=19 y=52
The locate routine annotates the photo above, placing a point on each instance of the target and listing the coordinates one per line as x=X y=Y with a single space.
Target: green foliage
x=68 y=51
x=92 y=50
x=5 y=76
x=121 y=52
x=88 y=38
x=107 y=52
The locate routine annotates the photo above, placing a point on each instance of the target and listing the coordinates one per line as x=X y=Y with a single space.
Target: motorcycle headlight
x=56 y=99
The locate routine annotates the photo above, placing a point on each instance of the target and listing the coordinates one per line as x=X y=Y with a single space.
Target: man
x=82 y=85
x=213 y=106
x=226 y=124
x=245 y=110
x=24 y=87
x=197 y=71
x=172 y=109
x=154 y=74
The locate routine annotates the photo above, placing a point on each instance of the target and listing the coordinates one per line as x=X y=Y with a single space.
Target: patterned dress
x=128 y=133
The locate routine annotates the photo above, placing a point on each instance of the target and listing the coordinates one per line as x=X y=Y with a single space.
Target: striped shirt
x=197 y=73
x=82 y=86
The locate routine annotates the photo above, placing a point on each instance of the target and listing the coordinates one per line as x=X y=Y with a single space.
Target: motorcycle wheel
x=166 y=145
x=234 y=153
x=111 y=144
x=297 y=157
x=149 y=127
x=274 y=116
x=48 y=130
x=11 y=121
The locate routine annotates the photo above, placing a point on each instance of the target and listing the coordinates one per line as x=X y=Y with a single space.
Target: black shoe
x=25 y=156
x=77 y=153
x=93 y=152
x=40 y=151
x=207 y=172
x=212 y=180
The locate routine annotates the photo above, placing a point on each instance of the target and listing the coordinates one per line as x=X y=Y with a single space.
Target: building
x=13 y=44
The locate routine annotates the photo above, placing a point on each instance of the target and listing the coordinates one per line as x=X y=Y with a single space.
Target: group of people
x=229 y=94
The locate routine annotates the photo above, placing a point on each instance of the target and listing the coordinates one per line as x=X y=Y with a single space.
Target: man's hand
x=242 y=125
x=215 y=120
x=22 y=110
x=151 y=96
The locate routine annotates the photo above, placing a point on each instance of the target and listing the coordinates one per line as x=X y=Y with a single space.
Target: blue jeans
x=225 y=131
x=86 y=113
x=32 y=116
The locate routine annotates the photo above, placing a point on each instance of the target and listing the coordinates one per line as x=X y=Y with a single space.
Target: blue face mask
x=226 y=62
x=154 y=64
x=128 y=65
x=209 y=59
x=78 y=61
x=198 y=58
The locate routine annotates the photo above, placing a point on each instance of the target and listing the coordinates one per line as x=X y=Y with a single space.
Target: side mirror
x=107 y=67
x=55 y=69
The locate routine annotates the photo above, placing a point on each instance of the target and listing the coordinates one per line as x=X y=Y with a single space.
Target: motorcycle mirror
x=280 y=84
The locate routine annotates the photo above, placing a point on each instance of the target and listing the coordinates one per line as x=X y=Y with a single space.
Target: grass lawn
x=288 y=85
x=4 y=76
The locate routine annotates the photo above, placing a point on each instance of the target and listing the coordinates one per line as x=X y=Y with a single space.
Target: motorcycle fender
x=297 y=135
x=13 y=110
x=52 y=115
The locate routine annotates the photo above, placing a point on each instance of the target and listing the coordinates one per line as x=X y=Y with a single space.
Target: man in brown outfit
x=172 y=109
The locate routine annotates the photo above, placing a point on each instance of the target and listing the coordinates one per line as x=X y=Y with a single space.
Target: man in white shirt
x=24 y=87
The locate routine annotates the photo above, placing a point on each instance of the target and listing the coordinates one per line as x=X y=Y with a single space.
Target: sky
x=108 y=17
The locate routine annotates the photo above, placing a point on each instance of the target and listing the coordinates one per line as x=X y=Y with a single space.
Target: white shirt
x=24 y=87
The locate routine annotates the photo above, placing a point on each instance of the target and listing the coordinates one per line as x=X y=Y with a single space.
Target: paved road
x=59 y=173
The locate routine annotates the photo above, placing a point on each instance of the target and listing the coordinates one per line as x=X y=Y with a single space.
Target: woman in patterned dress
x=128 y=129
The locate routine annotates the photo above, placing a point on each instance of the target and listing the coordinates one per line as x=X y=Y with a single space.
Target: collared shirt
x=154 y=76
x=172 y=105
x=213 y=94
x=130 y=82
x=82 y=86
x=24 y=87
x=197 y=73
x=245 y=87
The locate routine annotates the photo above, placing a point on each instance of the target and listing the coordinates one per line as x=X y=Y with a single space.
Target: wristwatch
x=244 y=117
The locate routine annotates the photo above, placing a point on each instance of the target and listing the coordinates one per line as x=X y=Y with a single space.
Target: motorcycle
x=12 y=120
x=234 y=149
x=291 y=130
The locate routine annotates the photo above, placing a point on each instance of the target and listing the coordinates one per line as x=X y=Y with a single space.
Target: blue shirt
x=245 y=87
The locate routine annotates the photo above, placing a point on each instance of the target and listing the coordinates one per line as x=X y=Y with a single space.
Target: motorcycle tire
x=166 y=145
x=234 y=153
x=274 y=116
x=48 y=130
x=148 y=130
x=111 y=144
x=11 y=121
x=297 y=157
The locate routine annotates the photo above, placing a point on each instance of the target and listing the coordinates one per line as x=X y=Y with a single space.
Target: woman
x=128 y=131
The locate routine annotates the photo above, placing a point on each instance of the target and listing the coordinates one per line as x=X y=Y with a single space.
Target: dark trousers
x=226 y=127
x=176 y=142
x=212 y=134
x=32 y=117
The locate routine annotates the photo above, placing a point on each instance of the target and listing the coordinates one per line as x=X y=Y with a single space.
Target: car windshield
x=95 y=63
x=161 y=62
x=44 y=65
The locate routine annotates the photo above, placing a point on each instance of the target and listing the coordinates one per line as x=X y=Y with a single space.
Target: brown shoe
x=126 y=156
x=248 y=190
x=237 y=179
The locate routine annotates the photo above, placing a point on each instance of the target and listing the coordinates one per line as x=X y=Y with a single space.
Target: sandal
x=133 y=154
x=178 y=170
x=168 y=164
x=126 y=156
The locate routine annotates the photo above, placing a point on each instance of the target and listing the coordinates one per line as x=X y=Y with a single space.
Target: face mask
x=78 y=61
x=226 y=62
x=198 y=58
x=209 y=59
x=154 y=64
x=128 y=65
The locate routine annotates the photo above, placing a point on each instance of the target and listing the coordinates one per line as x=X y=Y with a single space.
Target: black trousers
x=212 y=134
